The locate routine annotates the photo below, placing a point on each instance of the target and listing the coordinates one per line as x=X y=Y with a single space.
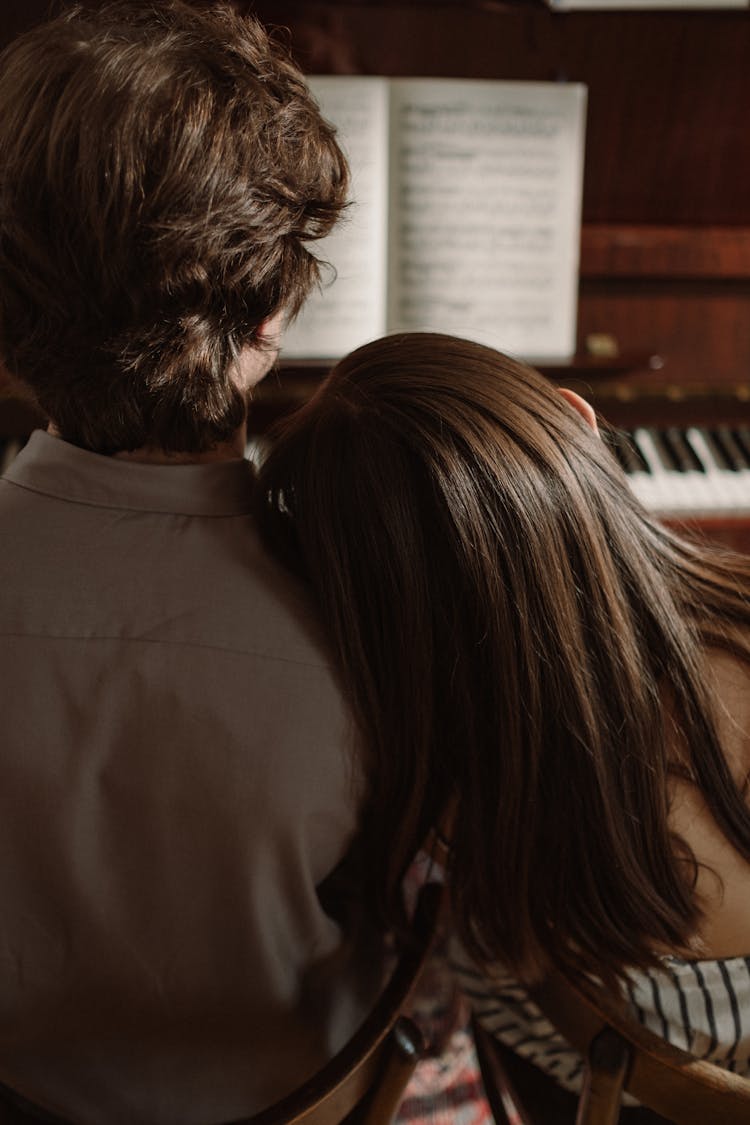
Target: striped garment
x=700 y=1006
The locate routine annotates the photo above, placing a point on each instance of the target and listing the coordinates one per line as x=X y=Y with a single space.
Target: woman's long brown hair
x=510 y=624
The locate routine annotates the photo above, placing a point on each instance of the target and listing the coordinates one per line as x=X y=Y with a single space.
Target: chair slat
x=684 y=1089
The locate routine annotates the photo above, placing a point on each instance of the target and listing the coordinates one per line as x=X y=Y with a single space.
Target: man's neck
x=232 y=450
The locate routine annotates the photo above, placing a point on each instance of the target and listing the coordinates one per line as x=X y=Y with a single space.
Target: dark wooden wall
x=667 y=135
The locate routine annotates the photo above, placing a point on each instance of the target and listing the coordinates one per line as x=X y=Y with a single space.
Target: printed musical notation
x=350 y=307
x=465 y=214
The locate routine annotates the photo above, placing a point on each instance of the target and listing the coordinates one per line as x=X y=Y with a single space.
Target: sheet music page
x=351 y=309
x=486 y=184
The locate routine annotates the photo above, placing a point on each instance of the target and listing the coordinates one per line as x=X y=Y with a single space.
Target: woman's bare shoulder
x=731 y=683
x=723 y=879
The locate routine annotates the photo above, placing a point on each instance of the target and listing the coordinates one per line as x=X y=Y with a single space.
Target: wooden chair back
x=364 y=1083
x=620 y=1055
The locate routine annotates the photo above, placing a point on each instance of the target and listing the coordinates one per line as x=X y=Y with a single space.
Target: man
x=177 y=773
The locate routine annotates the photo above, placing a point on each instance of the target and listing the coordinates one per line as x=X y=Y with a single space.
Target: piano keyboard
x=693 y=472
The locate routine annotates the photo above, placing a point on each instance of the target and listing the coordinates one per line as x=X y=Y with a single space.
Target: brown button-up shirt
x=176 y=778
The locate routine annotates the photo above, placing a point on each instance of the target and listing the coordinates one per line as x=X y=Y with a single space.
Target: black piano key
x=667 y=457
x=643 y=465
x=730 y=438
x=723 y=438
x=742 y=434
x=682 y=451
x=733 y=445
x=717 y=452
x=628 y=453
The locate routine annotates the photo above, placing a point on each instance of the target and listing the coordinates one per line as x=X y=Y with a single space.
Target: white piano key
x=689 y=489
x=668 y=490
x=642 y=484
x=728 y=489
x=696 y=491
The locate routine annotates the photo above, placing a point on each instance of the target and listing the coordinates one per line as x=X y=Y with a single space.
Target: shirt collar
x=56 y=468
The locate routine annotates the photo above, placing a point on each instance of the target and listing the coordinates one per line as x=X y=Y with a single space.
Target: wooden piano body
x=664 y=305
x=664 y=308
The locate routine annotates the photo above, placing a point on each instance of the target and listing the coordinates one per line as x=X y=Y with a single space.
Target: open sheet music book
x=465 y=215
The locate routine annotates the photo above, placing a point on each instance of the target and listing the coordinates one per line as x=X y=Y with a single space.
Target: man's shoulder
x=186 y=568
x=267 y=611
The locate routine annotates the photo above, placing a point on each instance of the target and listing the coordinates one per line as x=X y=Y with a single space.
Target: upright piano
x=664 y=304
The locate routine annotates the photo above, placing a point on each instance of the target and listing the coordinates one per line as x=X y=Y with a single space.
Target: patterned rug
x=447 y=1087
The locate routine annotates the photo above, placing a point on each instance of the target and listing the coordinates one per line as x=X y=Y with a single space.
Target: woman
x=518 y=634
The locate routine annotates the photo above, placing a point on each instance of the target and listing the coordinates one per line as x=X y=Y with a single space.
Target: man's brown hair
x=162 y=171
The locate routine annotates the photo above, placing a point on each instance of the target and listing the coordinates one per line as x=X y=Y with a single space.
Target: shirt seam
x=120 y=507
x=322 y=665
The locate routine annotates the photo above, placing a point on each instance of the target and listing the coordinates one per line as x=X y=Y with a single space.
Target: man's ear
x=256 y=360
x=270 y=329
x=585 y=409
